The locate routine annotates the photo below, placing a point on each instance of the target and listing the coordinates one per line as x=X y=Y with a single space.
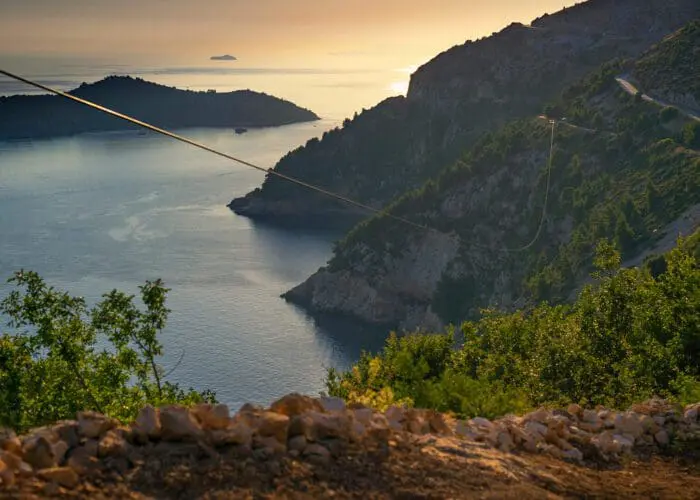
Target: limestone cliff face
x=456 y=97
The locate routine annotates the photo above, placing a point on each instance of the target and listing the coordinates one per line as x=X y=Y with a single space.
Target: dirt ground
x=434 y=468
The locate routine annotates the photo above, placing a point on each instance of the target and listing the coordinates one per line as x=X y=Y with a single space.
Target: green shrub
x=51 y=366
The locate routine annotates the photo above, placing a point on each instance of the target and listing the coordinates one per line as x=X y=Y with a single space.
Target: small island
x=41 y=116
x=226 y=57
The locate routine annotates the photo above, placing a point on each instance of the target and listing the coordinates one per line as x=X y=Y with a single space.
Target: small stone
x=626 y=444
x=662 y=438
x=295 y=404
x=10 y=459
x=357 y=431
x=574 y=409
x=363 y=415
x=481 y=422
x=67 y=431
x=112 y=444
x=297 y=443
x=237 y=433
x=60 y=448
x=691 y=413
x=659 y=420
x=9 y=441
x=590 y=417
x=629 y=423
x=395 y=414
x=82 y=460
x=25 y=470
x=539 y=416
x=437 y=424
x=418 y=425
x=536 y=429
x=178 y=424
x=505 y=442
x=147 y=424
x=316 y=426
x=573 y=454
x=214 y=417
x=7 y=475
x=93 y=425
x=332 y=404
x=272 y=424
x=270 y=444
x=64 y=476
x=317 y=454
x=39 y=453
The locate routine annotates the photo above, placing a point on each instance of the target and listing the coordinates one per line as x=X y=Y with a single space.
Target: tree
x=51 y=366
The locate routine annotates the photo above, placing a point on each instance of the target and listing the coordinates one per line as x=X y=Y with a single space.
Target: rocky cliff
x=456 y=97
x=621 y=168
x=49 y=116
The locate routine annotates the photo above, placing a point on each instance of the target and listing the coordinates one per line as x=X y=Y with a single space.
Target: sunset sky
x=282 y=33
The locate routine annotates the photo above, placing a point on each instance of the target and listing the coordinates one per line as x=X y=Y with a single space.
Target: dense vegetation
x=681 y=53
x=633 y=334
x=48 y=116
x=622 y=168
x=62 y=357
x=453 y=99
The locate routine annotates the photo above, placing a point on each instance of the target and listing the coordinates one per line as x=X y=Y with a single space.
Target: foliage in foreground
x=631 y=335
x=52 y=365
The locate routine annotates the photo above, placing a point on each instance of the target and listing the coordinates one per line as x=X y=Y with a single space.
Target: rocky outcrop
x=50 y=116
x=319 y=432
x=382 y=293
x=454 y=98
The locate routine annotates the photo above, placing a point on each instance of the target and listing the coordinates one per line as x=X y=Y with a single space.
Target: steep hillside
x=49 y=116
x=622 y=168
x=454 y=99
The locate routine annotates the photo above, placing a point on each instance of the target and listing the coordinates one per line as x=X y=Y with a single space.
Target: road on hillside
x=632 y=90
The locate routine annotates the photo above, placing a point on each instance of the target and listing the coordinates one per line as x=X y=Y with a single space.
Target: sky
x=281 y=33
x=332 y=56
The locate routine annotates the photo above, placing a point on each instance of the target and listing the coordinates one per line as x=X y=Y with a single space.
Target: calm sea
x=97 y=212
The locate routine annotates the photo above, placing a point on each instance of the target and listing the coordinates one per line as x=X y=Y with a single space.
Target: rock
x=590 y=417
x=317 y=454
x=363 y=415
x=575 y=410
x=659 y=420
x=395 y=414
x=295 y=404
x=505 y=442
x=357 y=431
x=316 y=426
x=626 y=444
x=214 y=417
x=178 y=424
x=438 y=425
x=536 y=429
x=9 y=441
x=64 y=476
x=379 y=427
x=25 y=470
x=273 y=424
x=539 y=416
x=297 y=443
x=60 y=448
x=573 y=454
x=82 y=460
x=691 y=413
x=112 y=444
x=237 y=433
x=482 y=422
x=418 y=425
x=67 y=431
x=7 y=475
x=629 y=423
x=332 y=404
x=38 y=452
x=270 y=444
x=147 y=424
x=662 y=438
x=11 y=460
x=93 y=425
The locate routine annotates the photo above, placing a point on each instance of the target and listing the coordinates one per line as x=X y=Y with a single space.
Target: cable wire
x=204 y=147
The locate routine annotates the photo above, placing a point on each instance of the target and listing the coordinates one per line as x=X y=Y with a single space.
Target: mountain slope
x=48 y=116
x=454 y=99
x=622 y=168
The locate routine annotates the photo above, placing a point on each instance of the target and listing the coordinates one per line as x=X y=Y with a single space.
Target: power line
x=204 y=147
x=288 y=178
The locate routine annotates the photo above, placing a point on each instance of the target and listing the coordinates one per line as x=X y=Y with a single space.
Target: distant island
x=23 y=117
x=226 y=57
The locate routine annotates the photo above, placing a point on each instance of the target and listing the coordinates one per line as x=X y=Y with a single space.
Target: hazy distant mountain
x=46 y=115
x=226 y=57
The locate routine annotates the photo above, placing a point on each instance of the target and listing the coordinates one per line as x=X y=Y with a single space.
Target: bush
x=630 y=336
x=51 y=366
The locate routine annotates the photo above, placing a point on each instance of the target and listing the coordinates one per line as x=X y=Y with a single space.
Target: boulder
x=662 y=438
x=575 y=410
x=64 y=476
x=363 y=415
x=67 y=431
x=437 y=424
x=316 y=453
x=38 y=452
x=82 y=460
x=629 y=423
x=178 y=424
x=60 y=448
x=11 y=460
x=93 y=425
x=7 y=475
x=297 y=443
x=295 y=404
x=691 y=413
x=316 y=426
